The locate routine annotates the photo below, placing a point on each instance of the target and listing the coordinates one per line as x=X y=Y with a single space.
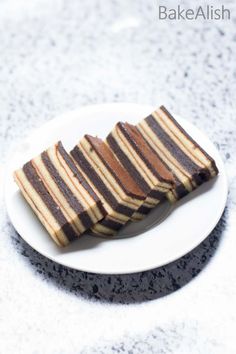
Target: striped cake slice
x=120 y=195
x=143 y=164
x=59 y=194
x=190 y=164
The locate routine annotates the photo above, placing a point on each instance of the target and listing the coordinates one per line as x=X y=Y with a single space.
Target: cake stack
x=160 y=139
x=59 y=195
x=102 y=185
x=120 y=195
x=189 y=163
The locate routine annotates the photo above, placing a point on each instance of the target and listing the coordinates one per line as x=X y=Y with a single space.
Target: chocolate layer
x=39 y=187
x=111 y=224
x=144 y=210
x=180 y=190
x=141 y=147
x=80 y=177
x=179 y=155
x=65 y=190
x=128 y=165
x=157 y=194
x=190 y=138
x=99 y=184
x=121 y=176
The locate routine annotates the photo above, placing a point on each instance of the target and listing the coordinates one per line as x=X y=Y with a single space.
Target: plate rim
x=94 y=107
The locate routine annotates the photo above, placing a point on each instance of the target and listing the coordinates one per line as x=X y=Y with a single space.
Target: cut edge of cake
x=133 y=152
x=189 y=162
x=57 y=191
x=120 y=194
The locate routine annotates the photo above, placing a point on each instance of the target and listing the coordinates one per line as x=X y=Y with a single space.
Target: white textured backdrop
x=57 y=56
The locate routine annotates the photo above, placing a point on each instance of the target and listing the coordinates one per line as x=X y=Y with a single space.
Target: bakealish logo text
x=208 y=12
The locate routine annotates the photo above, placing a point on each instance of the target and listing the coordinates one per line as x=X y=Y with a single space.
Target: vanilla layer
x=189 y=148
x=108 y=178
x=183 y=175
x=102 y=230
x=85 y=199
x=57 y=194
x=40 y=209
x=149 y=178
x=137 y=216
x=139 y=164
x=110 y=211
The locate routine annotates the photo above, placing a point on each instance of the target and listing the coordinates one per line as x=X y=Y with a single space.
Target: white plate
x=159 y=239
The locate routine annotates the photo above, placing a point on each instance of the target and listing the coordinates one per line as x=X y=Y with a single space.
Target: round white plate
x=165 y=235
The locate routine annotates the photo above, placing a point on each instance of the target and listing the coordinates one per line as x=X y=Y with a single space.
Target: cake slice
x=143 y=164
x=190 y=164
x=120 y=195
x=59 y=194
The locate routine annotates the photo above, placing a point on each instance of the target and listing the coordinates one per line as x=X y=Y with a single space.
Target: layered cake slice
x=190 y=164
x=143 y=164
x=59 y=194
x=120 y=195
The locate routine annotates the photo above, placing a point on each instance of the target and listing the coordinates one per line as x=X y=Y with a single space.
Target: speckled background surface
x=57 y=56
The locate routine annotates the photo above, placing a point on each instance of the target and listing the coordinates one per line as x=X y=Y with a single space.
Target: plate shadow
x=128 y=288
